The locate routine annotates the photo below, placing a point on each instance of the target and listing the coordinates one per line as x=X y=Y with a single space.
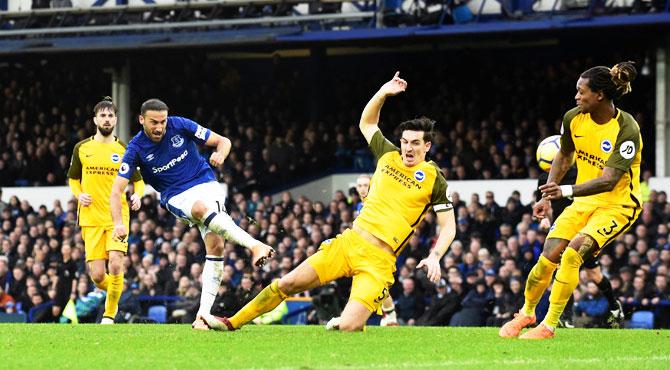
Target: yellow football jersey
x=96 y=165
x=400 y=196
x=616 y=144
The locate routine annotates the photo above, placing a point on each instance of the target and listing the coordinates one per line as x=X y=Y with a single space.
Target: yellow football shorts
x=603 y=224
x=350 y=255
x=98 y=241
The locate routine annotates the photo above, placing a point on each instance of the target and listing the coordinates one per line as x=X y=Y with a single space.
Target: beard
x=105 y=131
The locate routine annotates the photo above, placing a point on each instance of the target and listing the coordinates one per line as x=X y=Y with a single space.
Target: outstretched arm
x=370 y=117
x=223 y=146
x=447 y=222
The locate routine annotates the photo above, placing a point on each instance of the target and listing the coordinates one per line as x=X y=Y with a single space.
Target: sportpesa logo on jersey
x=177 y=141
x=170 y=164
x=606 y=146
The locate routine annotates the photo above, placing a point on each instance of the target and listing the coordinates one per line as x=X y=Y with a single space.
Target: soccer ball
x=547 y=150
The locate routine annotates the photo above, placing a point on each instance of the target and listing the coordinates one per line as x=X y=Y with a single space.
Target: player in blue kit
x=167 y=156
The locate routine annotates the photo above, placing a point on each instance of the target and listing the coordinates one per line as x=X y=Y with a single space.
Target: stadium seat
x=642 y=320
x=158 y=314
x=13 y=317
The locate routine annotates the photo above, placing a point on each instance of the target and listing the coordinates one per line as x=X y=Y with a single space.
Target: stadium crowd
x=284 y=126
x=483 y=272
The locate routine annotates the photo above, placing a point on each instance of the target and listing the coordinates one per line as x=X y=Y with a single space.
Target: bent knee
x=199 y=210
x=98 y=276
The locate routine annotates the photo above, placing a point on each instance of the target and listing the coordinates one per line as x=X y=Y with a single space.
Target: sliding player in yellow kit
x=607 y=145
x=405 y=188
x=93 y=168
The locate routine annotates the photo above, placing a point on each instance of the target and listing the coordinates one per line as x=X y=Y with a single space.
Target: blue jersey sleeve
x=129 y=163
x=191 y=129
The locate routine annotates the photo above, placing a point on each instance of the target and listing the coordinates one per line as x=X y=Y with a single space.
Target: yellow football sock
x=567 y=279
x=537 y=282
x=114 y=291
x=103 y=284
x=265 y=301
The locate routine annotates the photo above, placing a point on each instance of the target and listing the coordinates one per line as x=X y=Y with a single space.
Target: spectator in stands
x=474 y=305
x=590 y=308
x=409 y=305
x=444 y=303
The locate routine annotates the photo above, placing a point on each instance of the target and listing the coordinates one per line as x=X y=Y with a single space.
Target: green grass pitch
x=130 y=347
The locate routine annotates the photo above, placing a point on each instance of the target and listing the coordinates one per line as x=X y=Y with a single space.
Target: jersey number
x=606 y=231
x=382 y=296
x=220 y=207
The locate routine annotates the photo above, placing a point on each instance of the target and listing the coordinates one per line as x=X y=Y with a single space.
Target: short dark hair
x=613 y=82
x=105 y=103
x=423 y=123
x=153 y=104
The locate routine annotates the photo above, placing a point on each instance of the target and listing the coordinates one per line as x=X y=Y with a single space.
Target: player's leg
x=567 y=278
x=302 y=278
x=96 y=255
x=115 y=286
x=603 y=225
x=212 y=273
x=327 y=264
x=539 y=278
x=388 y=310
x=373 y=275
x=116 y=251
x=221 y=224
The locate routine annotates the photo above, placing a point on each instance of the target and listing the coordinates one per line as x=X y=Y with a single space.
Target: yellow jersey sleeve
x=379 y=145
x=627 y=144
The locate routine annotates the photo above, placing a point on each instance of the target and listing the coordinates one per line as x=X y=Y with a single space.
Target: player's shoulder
x=177 y=120
x=439 y=176
x=627 y=123
x=571 y=114
x=88 y=141
x=120 y=142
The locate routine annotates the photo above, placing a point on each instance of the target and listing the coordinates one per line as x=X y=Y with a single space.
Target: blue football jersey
x=172 y=165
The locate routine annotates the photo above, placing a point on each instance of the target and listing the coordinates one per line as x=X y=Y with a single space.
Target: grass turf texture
x=312 y=347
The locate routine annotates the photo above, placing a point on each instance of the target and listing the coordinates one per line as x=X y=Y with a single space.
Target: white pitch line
x=475 y=362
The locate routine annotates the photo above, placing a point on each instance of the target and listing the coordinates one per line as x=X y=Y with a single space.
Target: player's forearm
x=559 y=167
x=224 y=146
x=447 y=235
x=115 y=206
x=75 y=187
x=371 y=111
x=602 y=184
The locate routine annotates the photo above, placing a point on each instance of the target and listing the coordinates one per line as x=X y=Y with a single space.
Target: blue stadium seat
x=642 y=320
x=158 y=314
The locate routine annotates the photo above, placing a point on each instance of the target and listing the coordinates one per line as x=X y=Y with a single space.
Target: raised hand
x=394 y=87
